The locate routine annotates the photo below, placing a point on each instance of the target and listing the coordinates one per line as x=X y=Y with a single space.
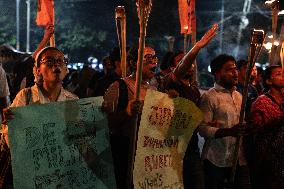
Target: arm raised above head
x=48 y=32
x=187 y=61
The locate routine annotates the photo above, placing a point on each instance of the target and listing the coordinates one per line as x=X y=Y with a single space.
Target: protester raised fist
x=48 y=32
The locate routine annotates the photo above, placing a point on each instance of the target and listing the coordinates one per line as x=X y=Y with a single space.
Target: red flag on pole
x=191 y=17
x=187 y=16
x=45 y=12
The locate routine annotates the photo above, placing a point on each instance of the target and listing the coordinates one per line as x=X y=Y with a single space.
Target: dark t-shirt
x=252 y=96
x=189 y=92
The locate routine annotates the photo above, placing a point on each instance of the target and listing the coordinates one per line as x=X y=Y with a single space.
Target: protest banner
x=165 y=129
x=61 y=145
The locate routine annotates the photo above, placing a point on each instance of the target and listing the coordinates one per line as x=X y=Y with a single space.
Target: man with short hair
x=252 y=92
x=121 y=106
x=221 y=106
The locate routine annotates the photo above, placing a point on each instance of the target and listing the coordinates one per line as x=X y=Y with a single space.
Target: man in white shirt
x=221 y=106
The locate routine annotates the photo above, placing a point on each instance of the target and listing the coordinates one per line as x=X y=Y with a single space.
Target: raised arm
x=49 y=30
x=187 y=61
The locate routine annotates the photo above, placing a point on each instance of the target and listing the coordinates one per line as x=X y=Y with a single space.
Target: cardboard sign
x=165 y=129
x=61 y=145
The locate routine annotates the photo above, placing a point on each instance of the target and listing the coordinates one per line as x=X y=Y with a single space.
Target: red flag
x=187 y=16
x=45 y=12
x=191 y=16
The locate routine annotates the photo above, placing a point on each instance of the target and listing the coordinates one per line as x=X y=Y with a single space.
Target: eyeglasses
x=152 y=59
x=50 y=62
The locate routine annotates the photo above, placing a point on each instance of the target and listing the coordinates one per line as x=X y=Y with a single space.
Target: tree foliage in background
x=87 y=27
x=7 y=25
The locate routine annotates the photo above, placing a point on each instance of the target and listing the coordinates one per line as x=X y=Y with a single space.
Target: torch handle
x=123 y=47
x=140 y=62
x=251 y=63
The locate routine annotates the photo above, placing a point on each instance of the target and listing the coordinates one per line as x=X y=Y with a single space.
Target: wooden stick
x=144 y=9
x=193 y=41
x=185 y=43
x=275 y=11
x=52 y=38
x=52 y=41
x=123 y=48
x=254 y=53
x=120 y=15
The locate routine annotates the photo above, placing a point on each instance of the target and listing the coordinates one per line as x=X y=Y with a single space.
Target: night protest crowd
x=261 y=153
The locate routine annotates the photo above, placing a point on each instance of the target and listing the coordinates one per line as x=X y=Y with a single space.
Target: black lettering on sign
x=181 y=120
x=176 y=185
x=35 y=135
x=32 y=136
x=48 y=134
x=52 y=157
x=79 y=129
x=152 y=182
x=68 y=179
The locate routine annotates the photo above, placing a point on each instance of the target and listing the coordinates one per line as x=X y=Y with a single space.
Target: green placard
x=61 y=145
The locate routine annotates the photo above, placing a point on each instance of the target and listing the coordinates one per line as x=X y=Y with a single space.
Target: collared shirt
x=38 y=98
x=221 y=105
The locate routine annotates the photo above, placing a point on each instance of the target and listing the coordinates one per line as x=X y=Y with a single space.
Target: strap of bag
x=28 y=95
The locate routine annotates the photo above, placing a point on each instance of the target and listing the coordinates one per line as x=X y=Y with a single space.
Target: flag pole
x=52 y=38
x=18 y=24
x=28 y=25
x=193 y=41
x=52 y=41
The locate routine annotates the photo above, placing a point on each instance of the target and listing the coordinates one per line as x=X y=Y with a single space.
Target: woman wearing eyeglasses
x=50 y=69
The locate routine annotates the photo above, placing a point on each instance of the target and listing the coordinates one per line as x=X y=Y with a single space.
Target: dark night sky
x=163 y=21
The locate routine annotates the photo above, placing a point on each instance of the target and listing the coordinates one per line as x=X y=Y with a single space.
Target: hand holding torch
x=257 y=39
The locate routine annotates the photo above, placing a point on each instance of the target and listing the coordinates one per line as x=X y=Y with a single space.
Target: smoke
x=229 y=47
